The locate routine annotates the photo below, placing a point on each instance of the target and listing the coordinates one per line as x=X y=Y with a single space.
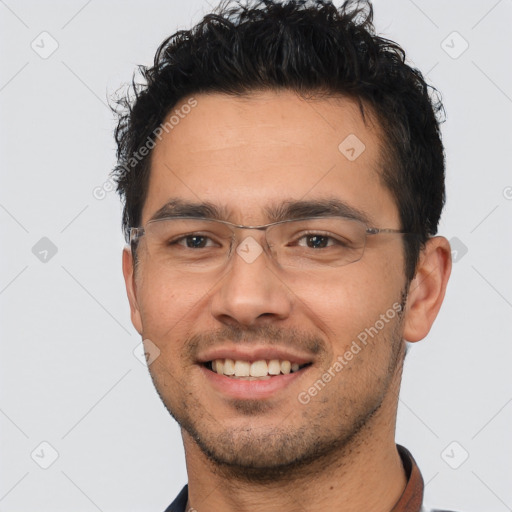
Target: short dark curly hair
x=309 y=47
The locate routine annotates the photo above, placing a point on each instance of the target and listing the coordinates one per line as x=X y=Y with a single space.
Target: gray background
x=69 y=376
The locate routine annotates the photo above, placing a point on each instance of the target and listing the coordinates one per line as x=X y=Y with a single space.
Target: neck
x=367 y=474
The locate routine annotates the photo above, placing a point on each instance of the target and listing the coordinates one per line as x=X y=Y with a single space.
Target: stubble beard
x=277 y=453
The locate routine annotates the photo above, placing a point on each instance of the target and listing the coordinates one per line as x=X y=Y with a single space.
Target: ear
x=131 y=290
x=427 y=289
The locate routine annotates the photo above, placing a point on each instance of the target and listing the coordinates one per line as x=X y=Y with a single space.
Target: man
x=283 y=179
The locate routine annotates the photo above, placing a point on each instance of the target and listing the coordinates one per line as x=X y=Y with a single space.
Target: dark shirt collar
x=410 y=501
x=180 y=503
x=412 y=497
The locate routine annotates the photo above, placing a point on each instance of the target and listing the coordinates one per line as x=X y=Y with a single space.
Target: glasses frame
x=135 y=233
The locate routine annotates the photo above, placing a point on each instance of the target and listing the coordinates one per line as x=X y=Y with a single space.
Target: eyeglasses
x=191 y=244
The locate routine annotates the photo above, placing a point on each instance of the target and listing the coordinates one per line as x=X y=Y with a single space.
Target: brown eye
x=317 y=241
x=195 y=241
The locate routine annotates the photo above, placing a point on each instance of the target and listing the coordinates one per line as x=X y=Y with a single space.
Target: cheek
x=352 y=303
x=166 y=306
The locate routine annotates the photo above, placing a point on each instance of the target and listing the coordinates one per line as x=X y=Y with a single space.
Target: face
x=246 y=155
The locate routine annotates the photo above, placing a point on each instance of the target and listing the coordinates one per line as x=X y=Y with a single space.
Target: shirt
x=410 y=501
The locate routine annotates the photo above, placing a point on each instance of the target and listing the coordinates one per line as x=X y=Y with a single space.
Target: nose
x=252 y=291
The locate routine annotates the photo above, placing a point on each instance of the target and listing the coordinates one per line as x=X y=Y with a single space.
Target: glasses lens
x=317 y=243
x=193 y=245
x=188 y=244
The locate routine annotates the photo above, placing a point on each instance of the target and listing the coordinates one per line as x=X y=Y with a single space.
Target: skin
x=337 y=451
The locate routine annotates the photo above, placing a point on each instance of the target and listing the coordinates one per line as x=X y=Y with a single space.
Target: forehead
x=244 y=153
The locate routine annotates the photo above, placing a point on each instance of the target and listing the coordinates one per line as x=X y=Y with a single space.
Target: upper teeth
x=260 y=368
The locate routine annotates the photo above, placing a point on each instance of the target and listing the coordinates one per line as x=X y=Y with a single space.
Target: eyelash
x=330 y=238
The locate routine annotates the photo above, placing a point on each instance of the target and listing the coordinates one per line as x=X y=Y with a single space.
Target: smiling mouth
x=253 y=370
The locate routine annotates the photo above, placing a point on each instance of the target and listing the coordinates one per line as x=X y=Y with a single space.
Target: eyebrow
x=287 y=210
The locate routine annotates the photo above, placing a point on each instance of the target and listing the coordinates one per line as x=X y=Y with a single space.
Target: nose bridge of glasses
x=248 y=238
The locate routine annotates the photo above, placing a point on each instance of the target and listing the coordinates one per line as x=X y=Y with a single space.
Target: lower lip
x=250 y=389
